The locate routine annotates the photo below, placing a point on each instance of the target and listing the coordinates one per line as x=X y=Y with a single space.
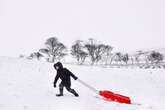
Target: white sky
x=125 y=24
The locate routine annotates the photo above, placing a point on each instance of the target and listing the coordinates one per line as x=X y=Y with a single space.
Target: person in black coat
x=64 y=74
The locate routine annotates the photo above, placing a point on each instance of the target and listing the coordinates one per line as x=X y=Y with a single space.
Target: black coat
x=64 y=74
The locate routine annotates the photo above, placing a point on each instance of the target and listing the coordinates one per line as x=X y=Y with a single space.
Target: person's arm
x=56 y=79
x=71 y=74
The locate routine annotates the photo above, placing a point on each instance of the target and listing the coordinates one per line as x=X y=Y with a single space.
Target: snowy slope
x=27 y=85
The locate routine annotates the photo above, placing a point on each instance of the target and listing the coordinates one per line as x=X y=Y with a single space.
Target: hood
x=59 y=64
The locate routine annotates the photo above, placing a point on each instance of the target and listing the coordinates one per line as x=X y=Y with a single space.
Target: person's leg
x=61 y=87
x=72 y=91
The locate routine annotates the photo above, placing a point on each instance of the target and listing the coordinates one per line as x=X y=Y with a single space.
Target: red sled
x=115 y=97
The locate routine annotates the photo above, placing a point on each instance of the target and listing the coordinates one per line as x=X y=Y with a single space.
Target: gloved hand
x=76 y=78
x=54 y=85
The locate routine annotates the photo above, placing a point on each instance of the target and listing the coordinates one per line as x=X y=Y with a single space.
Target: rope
x=88 y=86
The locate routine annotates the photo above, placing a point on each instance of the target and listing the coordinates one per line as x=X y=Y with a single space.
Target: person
x=64 y=74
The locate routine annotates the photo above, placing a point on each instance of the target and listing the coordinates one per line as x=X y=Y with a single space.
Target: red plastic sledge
x=114 y=97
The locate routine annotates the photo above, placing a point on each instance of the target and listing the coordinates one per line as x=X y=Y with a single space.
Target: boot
x=74 y=92
x=61 y=92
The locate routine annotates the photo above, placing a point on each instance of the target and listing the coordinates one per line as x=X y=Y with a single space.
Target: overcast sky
x=125 y=24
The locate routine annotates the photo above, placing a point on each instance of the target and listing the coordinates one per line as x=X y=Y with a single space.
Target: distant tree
x=78 y=52
x=155 y=57
x=37 y=55
x=125 y=58
x=141 y=56
x=101 y=50
x=91 y=48
x=117 y=57
x=83 y=56
x=95 y=50
x=54 y=49
x=107 y=54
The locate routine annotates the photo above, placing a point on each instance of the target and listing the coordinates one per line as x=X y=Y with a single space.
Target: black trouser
x=61 y=87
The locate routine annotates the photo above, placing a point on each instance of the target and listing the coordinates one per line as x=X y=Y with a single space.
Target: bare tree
x=78 y=52
x=125 y=58
x=54 y=49
x=83 y=56
x=155 y=57
x=107 y=54
x=91 y=48
x=117 y=57
x=37 y=55
x=97 y=51
x=141 y=56
x=102 y=50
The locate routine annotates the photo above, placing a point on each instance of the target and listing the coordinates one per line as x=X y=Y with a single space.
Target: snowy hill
x=28 y=85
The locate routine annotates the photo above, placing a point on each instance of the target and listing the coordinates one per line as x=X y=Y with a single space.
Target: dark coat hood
x=59 y=64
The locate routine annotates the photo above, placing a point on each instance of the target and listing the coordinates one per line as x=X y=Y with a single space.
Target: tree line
x=94 y=52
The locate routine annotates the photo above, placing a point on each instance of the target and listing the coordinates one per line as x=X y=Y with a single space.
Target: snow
x=28 y=85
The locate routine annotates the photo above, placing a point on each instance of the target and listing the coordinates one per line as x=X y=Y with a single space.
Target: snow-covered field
x=28 y=85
